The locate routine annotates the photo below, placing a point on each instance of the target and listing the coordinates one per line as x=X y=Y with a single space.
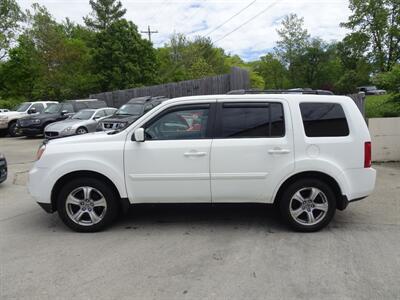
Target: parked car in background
x=35 y=125
x=4 y=110
x=3 y=168
x=130 y=112
x=82 y=122
x=8 y=120
x=371 y=90
x=308 y=154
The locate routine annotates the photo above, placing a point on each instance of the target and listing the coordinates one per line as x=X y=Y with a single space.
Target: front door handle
x=278 y=151
x=194 y=153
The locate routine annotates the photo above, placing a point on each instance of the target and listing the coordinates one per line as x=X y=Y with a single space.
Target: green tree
x=293 y=40
x=379 y=20
x=105 y=12
x=122 y=59
x=272 y=71
x=10 y=18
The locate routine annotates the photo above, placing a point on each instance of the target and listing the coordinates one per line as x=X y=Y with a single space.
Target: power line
x=226 y=21
x=248 y=21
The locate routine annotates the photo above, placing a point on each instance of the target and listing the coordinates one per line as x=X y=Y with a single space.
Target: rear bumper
x=360 y=183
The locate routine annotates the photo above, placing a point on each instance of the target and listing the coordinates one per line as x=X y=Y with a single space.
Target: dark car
x=34 y=125
x=3 y=168
x=371 y=90
x=130 y=112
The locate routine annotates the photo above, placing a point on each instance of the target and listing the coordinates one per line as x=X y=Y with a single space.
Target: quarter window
x=252 y=120
x=179 y=125
x=324 y=119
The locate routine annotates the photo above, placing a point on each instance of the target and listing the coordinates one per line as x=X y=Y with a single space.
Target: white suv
x=309 y=154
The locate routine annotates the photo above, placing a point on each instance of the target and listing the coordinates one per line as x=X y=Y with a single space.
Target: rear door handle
x=278 y=151
x=194 y=153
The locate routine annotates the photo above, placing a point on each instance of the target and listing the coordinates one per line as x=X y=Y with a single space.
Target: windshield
x=22 y=107
x=83 y=115
x=53 y=108
x=130 y=109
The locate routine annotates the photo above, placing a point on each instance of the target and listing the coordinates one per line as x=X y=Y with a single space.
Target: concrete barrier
x=385 y=135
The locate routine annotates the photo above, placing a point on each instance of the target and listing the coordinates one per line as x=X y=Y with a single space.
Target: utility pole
x=149 y=32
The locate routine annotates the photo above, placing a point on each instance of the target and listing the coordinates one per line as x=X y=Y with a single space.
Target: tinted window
x=68 y=107
x=252 y=120
x=130 y=109
x=324 y=119
x=179 y=124
x=100 y=114
x=38 y=106
x=80 y=105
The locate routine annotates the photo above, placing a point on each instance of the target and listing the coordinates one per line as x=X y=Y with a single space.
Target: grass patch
x=381 y=106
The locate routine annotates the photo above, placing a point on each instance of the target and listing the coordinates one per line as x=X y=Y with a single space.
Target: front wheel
x=308 y=205
x=12 y=129
x=87 y=205
x=81 y=130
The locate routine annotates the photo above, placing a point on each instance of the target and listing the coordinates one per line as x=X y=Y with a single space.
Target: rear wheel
x=87 y=205
x=308 y=205
x=81 y=130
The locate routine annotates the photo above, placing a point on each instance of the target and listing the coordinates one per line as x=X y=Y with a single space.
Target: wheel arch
x=341 y=199
x=124 y=202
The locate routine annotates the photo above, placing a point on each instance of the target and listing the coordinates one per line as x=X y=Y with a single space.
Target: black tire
x=12 y=129
x=111 y=199
x=326 y=200
x=81 y=130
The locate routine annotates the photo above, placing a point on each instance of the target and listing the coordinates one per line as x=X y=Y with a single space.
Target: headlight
x=122 y=125
x=40 y=152
x=36 y=121
x=67 y=130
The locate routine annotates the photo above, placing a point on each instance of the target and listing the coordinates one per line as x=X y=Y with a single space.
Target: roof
x=147 y=99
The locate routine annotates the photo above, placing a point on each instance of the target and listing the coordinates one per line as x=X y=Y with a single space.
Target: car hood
x=120 y=118
x=42 y=116
x=58 y=126
x=12 y=114
x=89 y=138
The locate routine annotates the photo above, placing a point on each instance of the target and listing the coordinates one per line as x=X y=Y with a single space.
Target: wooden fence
x=359 y=99
x=220 y=84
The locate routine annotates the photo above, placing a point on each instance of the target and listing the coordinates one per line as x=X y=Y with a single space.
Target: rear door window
x=251 y=120
x=324 y=119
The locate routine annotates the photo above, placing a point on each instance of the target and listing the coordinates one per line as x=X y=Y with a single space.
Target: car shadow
x=215 y=215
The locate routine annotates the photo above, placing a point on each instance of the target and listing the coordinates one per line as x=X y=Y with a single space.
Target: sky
x=250 y=34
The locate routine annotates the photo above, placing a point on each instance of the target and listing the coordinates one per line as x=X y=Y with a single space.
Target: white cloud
x=198 y=17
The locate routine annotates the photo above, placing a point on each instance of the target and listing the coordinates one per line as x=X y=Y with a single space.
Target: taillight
x=367 y=154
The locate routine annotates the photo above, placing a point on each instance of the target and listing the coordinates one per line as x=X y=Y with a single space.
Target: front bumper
x=30 y=131
x=3 y=124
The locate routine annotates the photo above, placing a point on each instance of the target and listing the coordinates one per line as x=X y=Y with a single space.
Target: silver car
x=82 y=122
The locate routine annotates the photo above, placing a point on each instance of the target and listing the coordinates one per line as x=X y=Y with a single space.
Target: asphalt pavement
x=197 y=251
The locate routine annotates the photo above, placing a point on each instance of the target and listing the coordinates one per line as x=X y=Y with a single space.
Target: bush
x=10 y=103
x=383 y=106
x=389 y=80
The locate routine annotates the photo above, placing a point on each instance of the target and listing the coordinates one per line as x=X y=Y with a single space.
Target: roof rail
x=289 y=91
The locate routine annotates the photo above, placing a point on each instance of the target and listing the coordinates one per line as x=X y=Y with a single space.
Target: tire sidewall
x=296 y=186
x=108 y=193
x=86 y=131
x=11 y=129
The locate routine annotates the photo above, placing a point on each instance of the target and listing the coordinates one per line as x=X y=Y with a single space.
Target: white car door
x=252 y=151
x=173 y=163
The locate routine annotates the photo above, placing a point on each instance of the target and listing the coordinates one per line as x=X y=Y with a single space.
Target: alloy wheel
x=308 y=206
x=86 y=206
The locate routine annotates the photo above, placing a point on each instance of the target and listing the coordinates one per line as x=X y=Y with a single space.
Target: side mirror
x=32 y=111
x=64 y=112
x=139 y=135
